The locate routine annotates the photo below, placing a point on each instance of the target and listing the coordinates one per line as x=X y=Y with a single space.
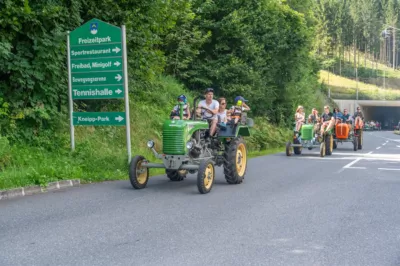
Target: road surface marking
x=378 y=148
x=389 y=169
x=384 y=144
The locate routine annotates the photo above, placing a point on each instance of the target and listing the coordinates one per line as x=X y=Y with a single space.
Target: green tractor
x=306 y=139
x=188 y=148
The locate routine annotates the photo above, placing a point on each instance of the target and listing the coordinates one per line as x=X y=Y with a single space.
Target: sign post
x=97 y=69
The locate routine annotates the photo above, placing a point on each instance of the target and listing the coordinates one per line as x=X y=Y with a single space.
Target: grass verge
x=344 y=88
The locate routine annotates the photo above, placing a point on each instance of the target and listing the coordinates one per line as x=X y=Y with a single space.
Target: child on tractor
x=237 y=110
x=186 y=111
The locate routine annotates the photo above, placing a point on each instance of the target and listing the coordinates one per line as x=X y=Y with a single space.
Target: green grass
x=344 y=88
x=100 y=153
x=376 y=81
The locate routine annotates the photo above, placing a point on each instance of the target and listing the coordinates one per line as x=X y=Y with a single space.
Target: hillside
x=376 y=81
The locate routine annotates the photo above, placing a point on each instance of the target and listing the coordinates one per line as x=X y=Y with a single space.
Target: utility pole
x=394 y=48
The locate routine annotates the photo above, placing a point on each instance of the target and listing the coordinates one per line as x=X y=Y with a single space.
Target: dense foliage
x=366 y=26
x=259 y=49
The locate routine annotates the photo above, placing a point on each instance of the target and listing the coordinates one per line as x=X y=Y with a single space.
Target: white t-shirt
x=214 y=105
x=222 y=116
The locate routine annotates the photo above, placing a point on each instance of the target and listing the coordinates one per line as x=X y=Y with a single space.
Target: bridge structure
x=385 y=111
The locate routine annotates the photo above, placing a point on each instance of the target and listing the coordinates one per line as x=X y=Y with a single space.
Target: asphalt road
x=301 y=210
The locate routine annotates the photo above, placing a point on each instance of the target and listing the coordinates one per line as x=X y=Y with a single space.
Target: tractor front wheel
x=205 y=176
x=288 y=149
x=138 y=175
x=235 y=161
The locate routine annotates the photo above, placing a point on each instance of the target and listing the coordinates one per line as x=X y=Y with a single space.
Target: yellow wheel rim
x=331 y=146
x=241 y=159
x=208 y=176
x=141 y=173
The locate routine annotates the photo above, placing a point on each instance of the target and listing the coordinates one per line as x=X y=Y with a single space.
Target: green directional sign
x=99 y=118
x=96 y=61
x=97 y=69
x=98 y=92
x=87 y=65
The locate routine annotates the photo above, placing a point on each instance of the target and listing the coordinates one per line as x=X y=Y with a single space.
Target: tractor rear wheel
x=176 y=175
x=328 y=144
x=205 y=176
x=322 y=149
x=355 y=143
x=360 y=139
x=297 y=150
x=138 y=175
x=235 y=161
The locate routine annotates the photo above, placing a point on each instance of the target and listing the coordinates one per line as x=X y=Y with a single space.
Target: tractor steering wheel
x=207 y=114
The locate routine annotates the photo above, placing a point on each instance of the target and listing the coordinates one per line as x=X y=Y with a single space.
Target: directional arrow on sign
x=118 y=77
x=117 y=63
x=118 y=91
x=116 y=50
x=119 y=118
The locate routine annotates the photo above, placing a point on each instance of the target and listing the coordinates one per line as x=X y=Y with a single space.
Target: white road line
x=389 y=169
x=384 y=144
x=378 y=148
x=353 y=162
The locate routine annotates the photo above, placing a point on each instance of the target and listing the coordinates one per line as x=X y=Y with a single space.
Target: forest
x=269 y=51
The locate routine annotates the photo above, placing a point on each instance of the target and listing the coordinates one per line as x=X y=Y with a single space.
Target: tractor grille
x=173 y=141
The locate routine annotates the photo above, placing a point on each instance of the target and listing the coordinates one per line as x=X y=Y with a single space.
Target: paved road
x=302 y=210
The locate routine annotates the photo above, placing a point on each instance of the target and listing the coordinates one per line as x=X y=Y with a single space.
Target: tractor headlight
x=189 y=145
x=150 y=144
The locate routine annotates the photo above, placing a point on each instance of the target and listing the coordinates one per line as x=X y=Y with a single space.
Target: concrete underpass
x=386 y=112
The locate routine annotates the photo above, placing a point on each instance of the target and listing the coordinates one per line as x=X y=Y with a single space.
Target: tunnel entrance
x=388 y=116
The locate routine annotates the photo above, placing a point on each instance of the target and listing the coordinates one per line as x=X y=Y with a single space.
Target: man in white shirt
x=208 y=109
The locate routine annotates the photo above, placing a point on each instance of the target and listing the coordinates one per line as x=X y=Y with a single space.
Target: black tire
x=360 y=139
x=355 y=143
x=322 y=149
x=176 y=175
x=233 y=175
x=288 y=149
x=334 y=145
x=328 y=144
x=297 y=150
x=206 y=176
x=139 y=176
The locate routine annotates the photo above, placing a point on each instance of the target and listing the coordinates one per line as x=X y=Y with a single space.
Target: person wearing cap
x=358 y=118
x=238 y=108
x=186 y=110
x=208 y=109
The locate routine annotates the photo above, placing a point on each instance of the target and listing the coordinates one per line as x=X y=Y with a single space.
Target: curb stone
x=31 y=190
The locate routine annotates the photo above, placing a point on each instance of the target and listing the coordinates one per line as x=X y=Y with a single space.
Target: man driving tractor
x=208 y=109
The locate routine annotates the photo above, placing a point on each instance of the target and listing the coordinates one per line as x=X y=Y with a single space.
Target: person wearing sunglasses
x=222 y=112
